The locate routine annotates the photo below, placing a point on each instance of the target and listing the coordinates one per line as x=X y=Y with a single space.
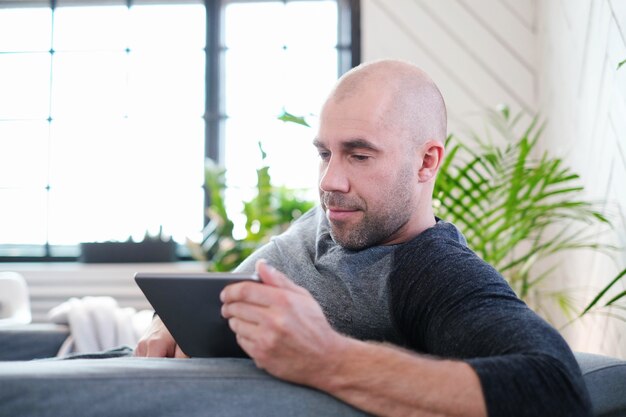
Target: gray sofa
x=128 y=386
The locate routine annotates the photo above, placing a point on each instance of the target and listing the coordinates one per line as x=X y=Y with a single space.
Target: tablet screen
x=190 y=307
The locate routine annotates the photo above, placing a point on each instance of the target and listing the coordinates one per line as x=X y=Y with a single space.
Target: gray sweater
x=435 y=296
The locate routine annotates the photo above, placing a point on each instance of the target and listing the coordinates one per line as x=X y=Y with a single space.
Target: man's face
x=368 y=174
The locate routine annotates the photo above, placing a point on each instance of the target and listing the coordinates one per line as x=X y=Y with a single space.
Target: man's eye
x=324 y=155
x=361 y=157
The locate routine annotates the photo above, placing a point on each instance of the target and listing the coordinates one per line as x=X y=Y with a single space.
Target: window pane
x=23 y=154
x=101 y=213
x=124 y=152
x=279 y=57
x=167 y=84
x=89 y=84
x=311 y=24
x=254 y=82
x=125 y=178
x=88 y=154
x=24 y=85
x=144 y=152
x=90 y=28
x=169 y=27
x=23 y=216
x=25 y=29
x=120 y=213
x=170 y=152
x=252 y=25
x=310 y=73
x=297 y=80
x=290 y=153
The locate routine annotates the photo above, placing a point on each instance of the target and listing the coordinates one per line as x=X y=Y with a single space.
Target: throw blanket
x=98 y=323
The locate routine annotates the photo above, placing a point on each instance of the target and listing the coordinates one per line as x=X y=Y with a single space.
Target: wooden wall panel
x=481 y=53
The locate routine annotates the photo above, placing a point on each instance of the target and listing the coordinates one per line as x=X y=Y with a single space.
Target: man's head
x=380 y=141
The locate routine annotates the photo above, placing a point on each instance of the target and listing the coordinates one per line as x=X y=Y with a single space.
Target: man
x=375 y=301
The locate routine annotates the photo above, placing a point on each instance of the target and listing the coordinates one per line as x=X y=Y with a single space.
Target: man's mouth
x=340 y=213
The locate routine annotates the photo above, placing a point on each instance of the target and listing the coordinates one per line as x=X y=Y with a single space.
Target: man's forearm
x=388 y=381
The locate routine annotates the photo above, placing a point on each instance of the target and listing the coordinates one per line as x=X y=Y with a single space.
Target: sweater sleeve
x=449 y=303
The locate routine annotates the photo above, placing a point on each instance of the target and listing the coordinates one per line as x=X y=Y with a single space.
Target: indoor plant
x=518 y=210
x=268 y=213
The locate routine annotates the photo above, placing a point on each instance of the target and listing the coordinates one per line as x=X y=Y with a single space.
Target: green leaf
x=616 y=298
x=263 y=154
x=290 y=118
x=601 y=293
x=621 y=63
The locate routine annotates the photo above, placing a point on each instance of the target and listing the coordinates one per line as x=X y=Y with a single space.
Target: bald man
x=371 y=298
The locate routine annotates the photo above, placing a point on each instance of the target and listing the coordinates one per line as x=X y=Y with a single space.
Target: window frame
x=349 y=55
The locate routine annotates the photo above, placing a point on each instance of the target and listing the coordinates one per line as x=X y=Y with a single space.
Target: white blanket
x=98 y=323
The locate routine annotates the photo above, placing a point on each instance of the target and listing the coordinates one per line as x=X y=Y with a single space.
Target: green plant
x=269 y=213
x=600 y=304
x=517 y=210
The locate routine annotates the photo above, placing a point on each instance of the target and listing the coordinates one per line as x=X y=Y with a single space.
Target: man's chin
x=351 y=241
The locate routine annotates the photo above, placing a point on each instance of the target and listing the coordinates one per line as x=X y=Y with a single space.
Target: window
x=109 y=108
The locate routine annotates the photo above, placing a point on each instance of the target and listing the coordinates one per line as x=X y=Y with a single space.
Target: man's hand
x=282 y=327
x=158 y=342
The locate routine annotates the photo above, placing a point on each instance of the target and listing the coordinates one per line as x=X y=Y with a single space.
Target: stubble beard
x=376 y=225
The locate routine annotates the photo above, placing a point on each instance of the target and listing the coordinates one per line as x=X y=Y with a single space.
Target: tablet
x=189 y=305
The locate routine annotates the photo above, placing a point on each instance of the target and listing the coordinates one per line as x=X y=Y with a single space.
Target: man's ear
x=432 y=156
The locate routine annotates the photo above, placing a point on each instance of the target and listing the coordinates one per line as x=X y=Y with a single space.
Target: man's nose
x=333 y=177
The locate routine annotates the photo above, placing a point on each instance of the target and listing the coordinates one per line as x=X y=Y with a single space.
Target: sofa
x=117 y=384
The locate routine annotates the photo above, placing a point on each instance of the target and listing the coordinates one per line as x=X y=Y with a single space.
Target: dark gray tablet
x=189 y=305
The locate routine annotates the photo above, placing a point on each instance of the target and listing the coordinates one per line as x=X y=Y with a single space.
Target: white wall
x=584 y=97
x=557 y=58
x=477 y=61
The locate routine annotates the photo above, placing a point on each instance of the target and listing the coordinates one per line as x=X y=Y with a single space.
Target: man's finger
x=158 y=349
x=244 y=328
x=140 y=350
x=251 y=292
x=245 y=311
x=247 y=345
x=178 y=353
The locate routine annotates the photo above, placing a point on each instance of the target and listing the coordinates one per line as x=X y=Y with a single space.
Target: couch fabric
x=116 y=384
x=129 y=386
x=605 y=378
x=32 y=341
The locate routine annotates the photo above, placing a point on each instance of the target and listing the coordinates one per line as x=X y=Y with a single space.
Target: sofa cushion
x=31 y=341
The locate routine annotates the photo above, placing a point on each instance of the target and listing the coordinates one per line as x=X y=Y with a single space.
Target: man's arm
x=284 y=330
x=388 y=381
x=452 y=304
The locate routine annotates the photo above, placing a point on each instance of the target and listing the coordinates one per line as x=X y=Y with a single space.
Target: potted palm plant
x=518 y=209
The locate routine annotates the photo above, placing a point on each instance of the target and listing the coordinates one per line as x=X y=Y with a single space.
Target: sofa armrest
x=130 y=386
x=605 y=378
